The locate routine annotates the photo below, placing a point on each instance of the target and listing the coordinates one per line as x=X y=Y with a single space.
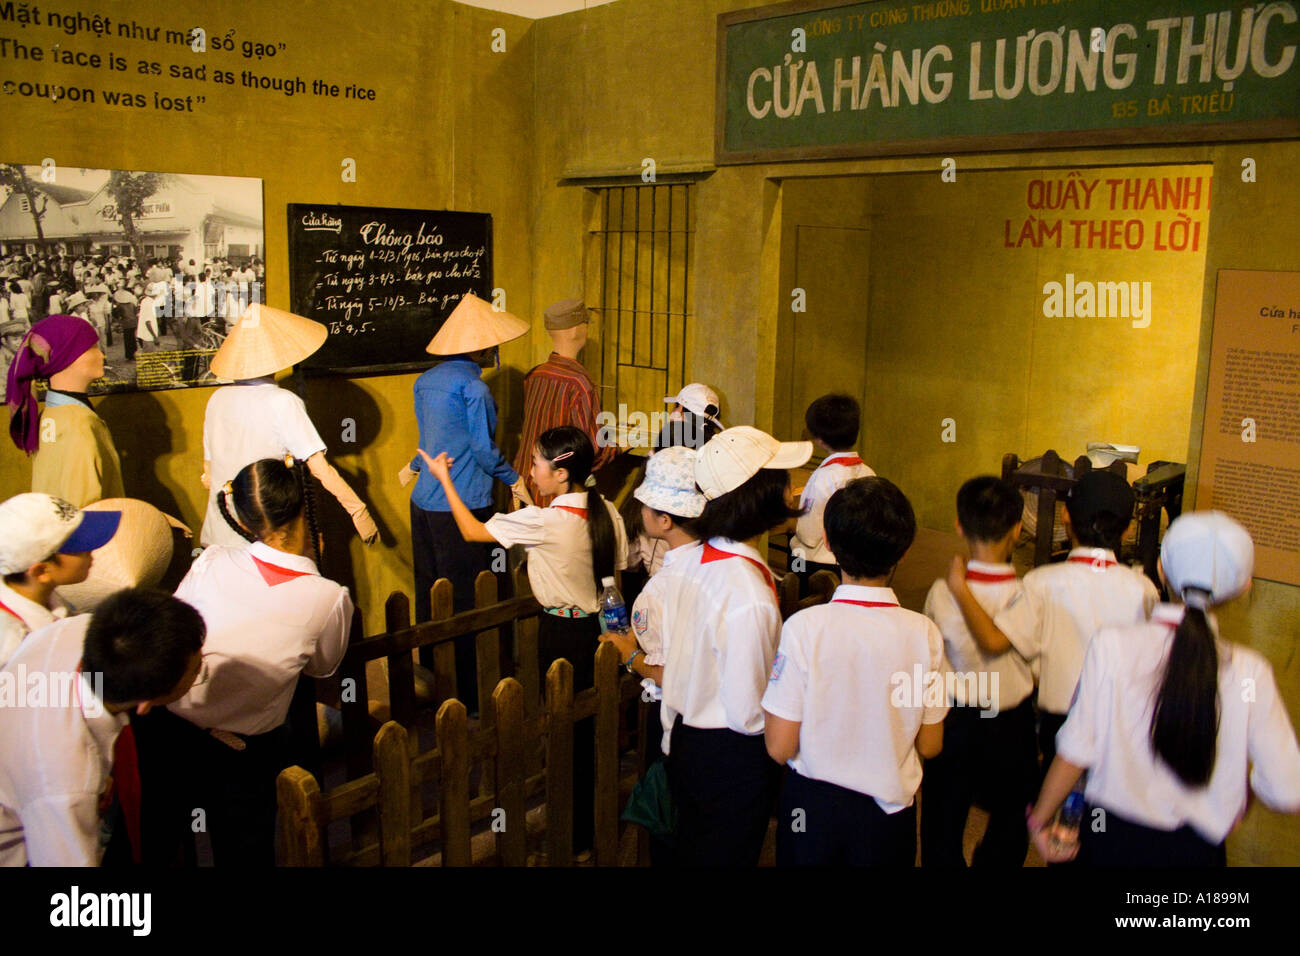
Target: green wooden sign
x=813 y=80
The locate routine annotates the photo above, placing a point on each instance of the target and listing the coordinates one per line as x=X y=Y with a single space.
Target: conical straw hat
x=138 y=555
x=473 y=325
x=265 y=341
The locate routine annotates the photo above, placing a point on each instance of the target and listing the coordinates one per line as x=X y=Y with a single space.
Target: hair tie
x=288 y=461
x=227 y=489
x=1198 y=598
x=590 y=482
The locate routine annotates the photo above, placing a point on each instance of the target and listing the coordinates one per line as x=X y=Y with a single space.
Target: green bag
x=651 y=803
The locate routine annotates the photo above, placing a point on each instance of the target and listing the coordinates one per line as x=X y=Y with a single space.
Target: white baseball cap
x=697 y=398
x=1207 y=551
x=735 y=455
x=35 y=526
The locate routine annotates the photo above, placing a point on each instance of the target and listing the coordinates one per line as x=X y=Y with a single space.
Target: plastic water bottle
x=613 y=612
x=1065 y=828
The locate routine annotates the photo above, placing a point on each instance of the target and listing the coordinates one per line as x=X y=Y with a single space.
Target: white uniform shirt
x=267 y=623
x=993 y=586
x=1109 y=727
x=559 y=549
x=856 y=680
x=648 y=613
x=836 y=471
x=1059 y=608
x=54 y=760
x=721 y=625
x=19 y=616
x=244 y=424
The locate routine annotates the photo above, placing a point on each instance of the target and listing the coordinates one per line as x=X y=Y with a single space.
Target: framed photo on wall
x=160 y=263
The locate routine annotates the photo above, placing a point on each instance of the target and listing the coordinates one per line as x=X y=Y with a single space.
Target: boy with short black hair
x=140 y=649
x=989 y=754
x=1061 y=606
x=845 y=706
x=45 y=543
x=833 y=421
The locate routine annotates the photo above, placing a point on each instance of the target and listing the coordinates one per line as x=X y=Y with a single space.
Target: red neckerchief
x=273 y=574
x=717 y=554
x=1084 y=559
x=850 y=460
x=9 y=610
x=990 y=577
x=865 y=603
x=580 y=512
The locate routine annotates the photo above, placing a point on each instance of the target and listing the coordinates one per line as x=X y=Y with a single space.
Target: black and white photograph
x=160 y=263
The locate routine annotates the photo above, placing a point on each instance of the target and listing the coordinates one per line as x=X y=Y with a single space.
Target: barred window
x=642 y=291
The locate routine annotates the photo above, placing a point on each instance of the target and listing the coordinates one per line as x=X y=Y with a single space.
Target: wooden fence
x=521 y=749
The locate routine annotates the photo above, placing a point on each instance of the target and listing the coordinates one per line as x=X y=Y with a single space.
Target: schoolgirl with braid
x=1174 y=724
x=271 y=617
x=573 y=545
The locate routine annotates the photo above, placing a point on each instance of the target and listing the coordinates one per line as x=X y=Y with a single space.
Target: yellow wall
x=586 y=94
x=919 y=308
x=646 y=88
x=451 y=129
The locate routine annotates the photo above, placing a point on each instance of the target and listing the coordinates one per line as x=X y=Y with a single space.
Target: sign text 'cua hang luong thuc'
x=813 y=80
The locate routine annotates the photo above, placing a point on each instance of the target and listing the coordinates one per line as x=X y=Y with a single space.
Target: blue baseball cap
x=34 y=526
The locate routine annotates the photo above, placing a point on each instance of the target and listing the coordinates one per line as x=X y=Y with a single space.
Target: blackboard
x=814 y=79
x=383 y=280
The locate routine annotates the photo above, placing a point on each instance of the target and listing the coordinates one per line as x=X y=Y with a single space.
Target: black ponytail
x=1185 y=722
x=569 y=448
x=266 y=496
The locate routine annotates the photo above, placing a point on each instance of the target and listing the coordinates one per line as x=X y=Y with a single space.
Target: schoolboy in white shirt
x=45 y=543
x=140 y=649
x=1173 y=723
x=989 y=752
x=833 y=421
x=721 y=625
x=856 y=699
x=1061 y=606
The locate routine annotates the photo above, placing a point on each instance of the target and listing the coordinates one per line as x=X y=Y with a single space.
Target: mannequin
x=560 y=392
x=254 y=418
x=74 y=455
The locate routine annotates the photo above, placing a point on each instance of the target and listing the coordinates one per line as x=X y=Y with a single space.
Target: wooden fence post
x=298 y=795
x=453 y=745
x=608 y=701
x=512 y=838
x=401 y=693
x=393 y=768
x=401 y=667
x=444 y=654
x=487 y=648
x=559 y=763
x=355 y=701
x=526 y=671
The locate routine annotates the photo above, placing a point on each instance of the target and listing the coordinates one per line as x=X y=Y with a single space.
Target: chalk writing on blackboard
x=383 y=280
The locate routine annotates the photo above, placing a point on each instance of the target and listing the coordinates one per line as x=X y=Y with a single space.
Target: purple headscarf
x=49 y=346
